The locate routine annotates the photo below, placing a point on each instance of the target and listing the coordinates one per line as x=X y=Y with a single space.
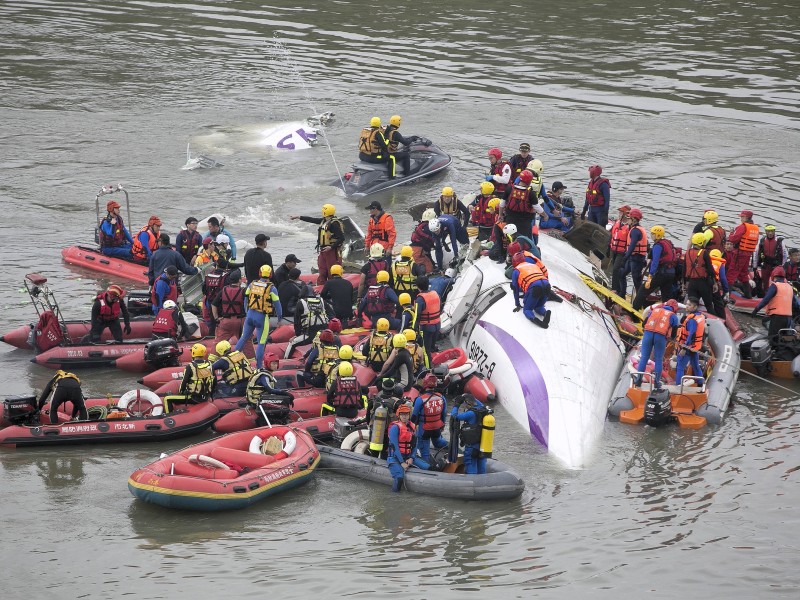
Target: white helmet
x=223 y=239
x=450 y=272
x=510 y=229
x=428 y=214
x=434 y=225
x=169 y=304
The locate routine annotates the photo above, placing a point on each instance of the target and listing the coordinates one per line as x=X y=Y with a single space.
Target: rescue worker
x=617 y=246
x=257 y=257
x=236 y=371
x=690 y=341
x=115 y=239
x=338 y=292
x=311 y=317
x=519 y=205
x=423 y=241
x=379 y=302
x=407 y=315
x=518 y=162
x=380 y=229
x=449 y=204
x=700 y=272
x=499 y=173
x=635 y=253
x=344 y=393
x=538 y=199
x=448 y=228
x=378 y=347
x=217 y=228
x=165 y=256
x=720 y=294
x=207 y=255
x=770 y=254
x=781 y=302
x=377 y=262
x=224 y=251
x=402 y=447
x=429 y=414
x=714 y=233
x=228 y=309
x=598 y=197
x=373 y=147
x=659 y=328
x=530 y=281
x=189 y=241
x=399 y=366
x=146 y=241
x=394 y=138
x=106 y=311
x=418 y=356
x=483 y=210
x=164 y=288
x=792 y=266
x=405 y=273
x=262 y=300
x=169 y=322
x=62 y=388
x=198 y=381
x=262 y=383
x=744 y=241
x=319 y=361
x=292 y=292
x=330 y=238
x=661 y=271
x=281 y=274
x=502 y=235
x=429 y=311
x=470 y=436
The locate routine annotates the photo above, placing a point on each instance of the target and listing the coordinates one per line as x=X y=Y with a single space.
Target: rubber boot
x=546 y=319
x=539 y=322
x=747 y=290
x=398 y=484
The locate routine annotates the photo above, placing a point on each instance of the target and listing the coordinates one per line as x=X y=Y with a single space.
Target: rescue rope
x=588 y=307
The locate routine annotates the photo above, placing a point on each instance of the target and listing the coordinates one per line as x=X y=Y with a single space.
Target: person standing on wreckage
x=529 y=280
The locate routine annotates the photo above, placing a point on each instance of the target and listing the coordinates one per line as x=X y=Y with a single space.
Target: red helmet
x=496 y=152
x=595 y=171
x=746 y=213
x=513 y=248
x=111 y=205
x=430 y=381
x=635 y=213
x=154 y=220
x=673 y=304
x=624 y=209
x=517 y=259
x=114 y=289
x=335 y=325
x=778 y=272
x=326 y=335
x=526 y=177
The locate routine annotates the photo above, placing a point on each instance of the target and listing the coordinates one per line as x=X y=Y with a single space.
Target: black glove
x=127 y=329
x=754 y=313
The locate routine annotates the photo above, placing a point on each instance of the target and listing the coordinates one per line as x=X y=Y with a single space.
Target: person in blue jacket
x=261 y=300
x=115 y=239
x=659 y=327
x=449 y=227
x=403 y=447
x=472 y=419
x=429 y=414
x=164 y=288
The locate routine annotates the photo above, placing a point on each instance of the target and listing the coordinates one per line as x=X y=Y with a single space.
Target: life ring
x=289 y=443
x=207 y=461
x=468 y=368
x=141 y=403
x=452 y=357
x=353 y=438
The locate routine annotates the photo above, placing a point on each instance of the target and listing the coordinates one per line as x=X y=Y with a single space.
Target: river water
x=687 y=105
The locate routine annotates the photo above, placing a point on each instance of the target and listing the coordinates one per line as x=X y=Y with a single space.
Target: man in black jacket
x=257 y=257
x=281 y=274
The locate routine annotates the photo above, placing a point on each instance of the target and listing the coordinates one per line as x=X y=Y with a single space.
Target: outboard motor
x=276 y=408
x=341 y=429
x=658 y=408
x=139 y=303
x=162 y=353
x=761 y=355
x=18 y=410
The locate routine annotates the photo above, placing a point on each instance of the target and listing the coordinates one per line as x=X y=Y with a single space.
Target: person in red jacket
x=745 y=241
x=380 y=229
x=106 y=310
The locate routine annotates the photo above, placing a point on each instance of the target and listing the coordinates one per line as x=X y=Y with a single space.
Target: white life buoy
x=130 y=398
x=353 y=438
x=207 y=461
x=289 y=442
x=255 y=445
x=464 y=371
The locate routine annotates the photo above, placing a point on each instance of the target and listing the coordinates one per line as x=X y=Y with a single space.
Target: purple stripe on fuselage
x=530 y=377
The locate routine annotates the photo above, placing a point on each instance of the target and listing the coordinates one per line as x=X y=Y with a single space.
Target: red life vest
x=717 y=240
x=432 y=408
x=695 y=264
x=377 y=302
x=405 y=436
x=431 y=315
x=173 y=291
x=373 y=266
x=749 y=241
x=519 y=200
x=667 y=260
x=480 y=213
x=137 y=250
x=232 y=301
x=781 y=303
x=683 y=334
x=348 y=393
x=641 y=245
x=109 y=310
x=792 y=270
x=619 y=235
x=165 y=322
x=190 y=244
x=593 y=195
x=422 y=236
x=497 y=169
x=48 y=333
x=658 y=321
x=528 y=273
x=118 y=238
x=213 y=284
x=771 y=251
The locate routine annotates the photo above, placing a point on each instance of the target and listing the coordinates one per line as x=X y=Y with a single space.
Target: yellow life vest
x=327 y=357
x=367 y=141
x=238 y=369
x=202 y=381
x=324 y=237
x=404 y=278
x=254 y=390
x=64 y=375
x=259 y=296
x=379 y=347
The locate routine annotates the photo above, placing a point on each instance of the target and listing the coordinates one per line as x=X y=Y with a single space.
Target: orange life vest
x=528 y=273
x=433 y=306
x=749 y=240
x=641 y=245
x=658 y=321
x=619 y=235
x=717 y=263
x=405 y=436
x=380 y=230
x=781 y=303
x=683 y=334
x=137 y=250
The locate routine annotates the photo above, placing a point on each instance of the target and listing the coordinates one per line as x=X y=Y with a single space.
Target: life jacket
x=792 y=270
x=528 y=273
x=202 y=379
x=60 y=374
x=327 y=357
x=781 y=303
x=695 y=264
x=255 y=390
x=191 y=242
x=667 y=260
x=497 y=169
x=471 y=432
x=498 y=237
x=405 y=437
x=47 y=333
x=373 y=266
x=536 y=189
x=367 y=141
x=683 y=335
x=770 y=251
x=204 y=258
x=519 y=200
x=422 y=236
x=137 y=251
x=641 y=246
x=314 y=314
x=658 y=321
x=165 y=322
x=238 y=369
x=389 y=136
x=749 y=241
x=418 y=356
x=379 y=347
x=404 y=278
x=232 y=301
x=410 y=315
x=593 y=195
x=109 y=310
x=717 y=240
x=380 y=230
x=260 y=296
x=171 y=295
x=118 y=238
x=213 y=283
x=433 y=308
x=619 y=235
x=537 y=262
x=480 y=213
x=377 y=302
x=324 y=236
x=518 y=164
x=432 y=408
x=716 y=264
x=348 y=392
x=448 y=208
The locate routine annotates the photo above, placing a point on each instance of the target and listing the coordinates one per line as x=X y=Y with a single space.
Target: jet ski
x=367 y=178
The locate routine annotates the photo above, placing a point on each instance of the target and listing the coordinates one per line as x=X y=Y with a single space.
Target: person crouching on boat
x=198 y=381
x=690 y=341
x=379 y=302
x=236 y=370
x=262 y=301
x=529 y=280
x=660 y=326
x=780 y=301
x=146 y=241
x=344 y=393
x=403 y=447
x=106 y=310
x=262 y=383
x=429 y=413
x=115 y=239
x=319 y=361
x=423 y=240
x=171 y=323
x=165 y=288
x=400 y=364
x=62 y=388
x=471 y=430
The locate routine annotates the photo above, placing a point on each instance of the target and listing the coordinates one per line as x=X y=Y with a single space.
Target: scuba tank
x=380 y=420
x=487 y=435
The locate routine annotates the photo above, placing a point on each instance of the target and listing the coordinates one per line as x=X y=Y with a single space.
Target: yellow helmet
x=382 y=277
x=698 y=239
x=448 y=191
x=328 y=210
x=395 y=120
x=657 y=231
x=399 y=340
x=223 y=347
x=265 y=271
x=336 y=270
x=410 y=334
x=536 y=166
x=715 y=253
x=404 y=298
x=346 y=352
x=428 y=214
x=493 y=204
x=382 y=324
x=710 y=217
x=375 y=122
x=199 y=351
x=406 y=252
x=345 y=369
x=487 y=187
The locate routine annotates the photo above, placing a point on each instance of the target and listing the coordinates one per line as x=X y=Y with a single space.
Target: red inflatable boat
x=76 y=330
x=94 y=260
